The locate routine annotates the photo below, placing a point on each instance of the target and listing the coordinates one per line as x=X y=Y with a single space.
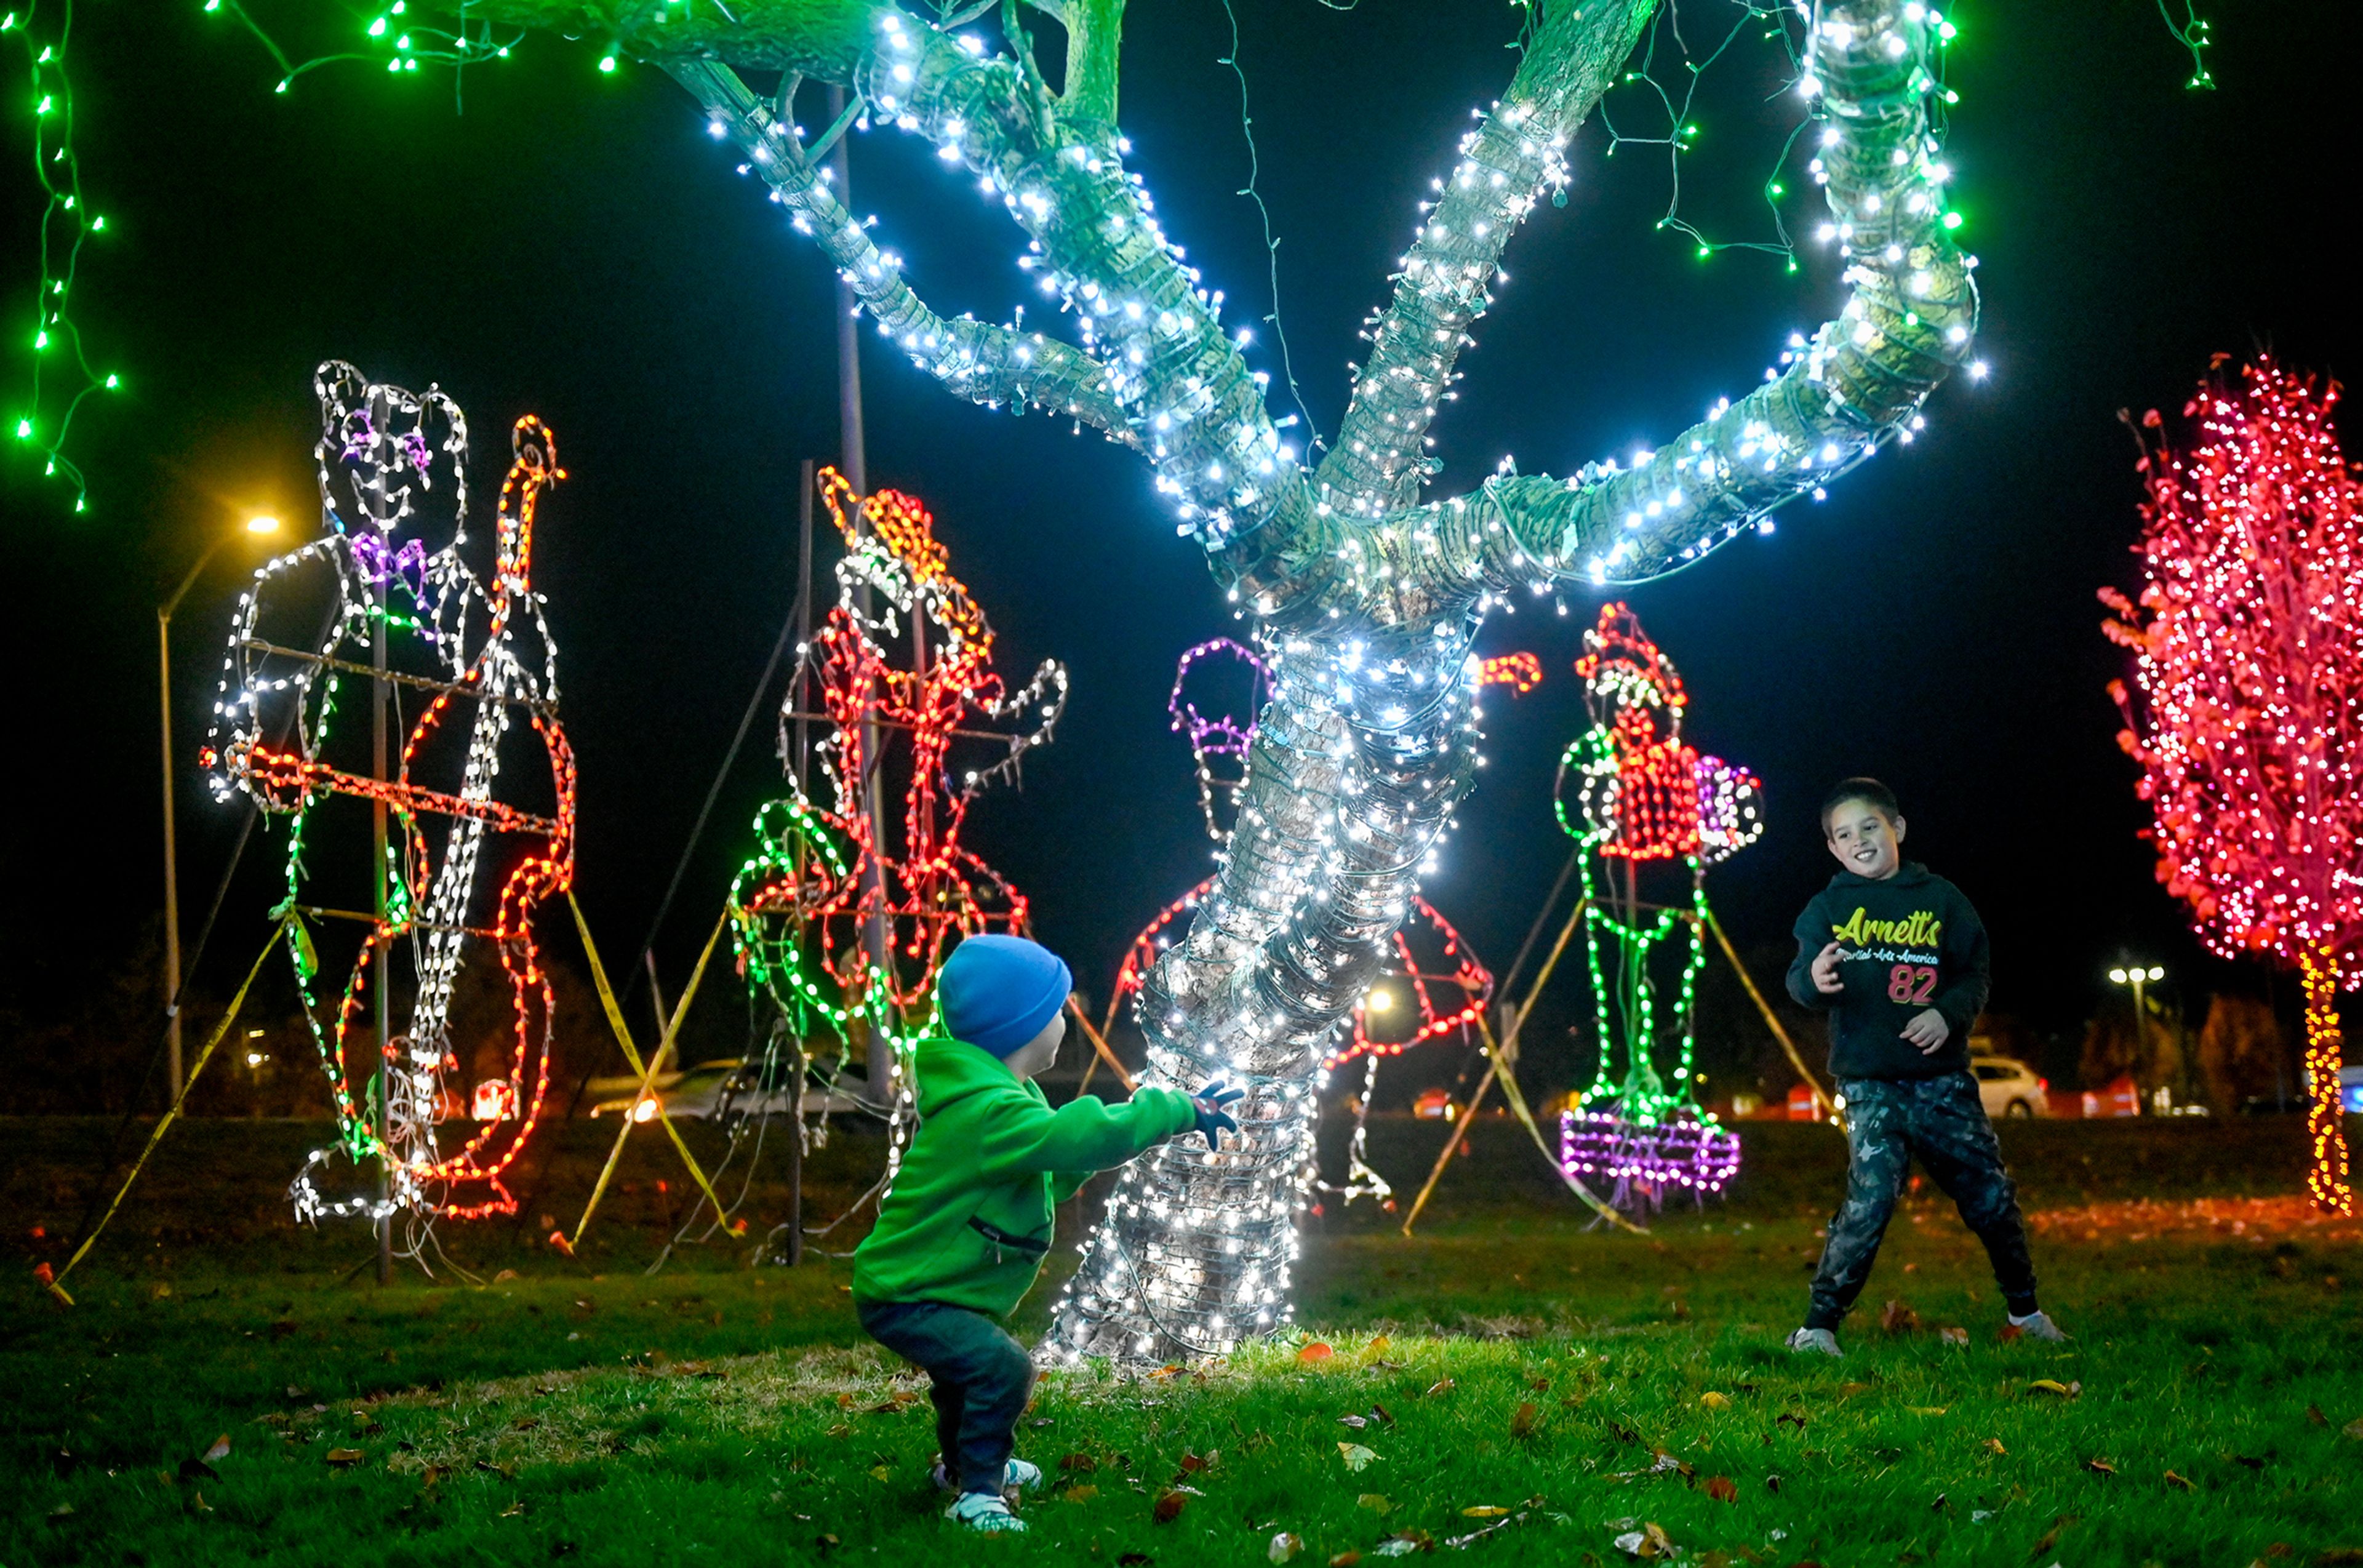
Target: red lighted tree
x=2249 y=728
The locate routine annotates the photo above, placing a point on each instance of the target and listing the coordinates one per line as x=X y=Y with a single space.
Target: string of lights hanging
x=408 y=616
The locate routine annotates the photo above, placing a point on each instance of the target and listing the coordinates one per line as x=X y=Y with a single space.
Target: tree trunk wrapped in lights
x=2248 y=645
x=1369 y=597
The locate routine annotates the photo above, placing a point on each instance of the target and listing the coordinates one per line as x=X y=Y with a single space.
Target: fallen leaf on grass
x=1192 y=1463
x=1405 y=1544
x=2054 y=1387
x=1711 y=1400
x=1522 y=1424
x=1648 y=1543
x=1377 y=1502
x=2338 y=1557
x=1897 y=1318
x=1315 y=1352
x=1074 y=1461
x=2050 y=1538
x=1356 y=1422
x=2314 y=1414
x=1345 y=1559
x=513 y=1509
x=1285 y=1547
x=1483 y=1511
x=197 y=1503
x=2180 y=1483
x=1356 y=1456
x=344 y=1456
x=1723 y=1488
x=1445 y=1385
x=1168 y=1507
x=219 y=1451
x=1993 y=1446
x=1953 y=1336
x=1926 y=1409
x=881 y=1473
x=2100 y=1467
x=2353 y=1429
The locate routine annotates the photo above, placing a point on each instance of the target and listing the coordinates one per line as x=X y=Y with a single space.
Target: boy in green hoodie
x=964 y=1229
x=1899 y=959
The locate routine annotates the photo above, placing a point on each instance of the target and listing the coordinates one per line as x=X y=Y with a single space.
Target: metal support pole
x=802 y=761
x=853 y=463
x=171 y=856
x=380 y=692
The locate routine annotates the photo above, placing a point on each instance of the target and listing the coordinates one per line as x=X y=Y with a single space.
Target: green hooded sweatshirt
x=968 y=1221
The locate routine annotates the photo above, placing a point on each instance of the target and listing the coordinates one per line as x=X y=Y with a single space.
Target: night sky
x=574 y=245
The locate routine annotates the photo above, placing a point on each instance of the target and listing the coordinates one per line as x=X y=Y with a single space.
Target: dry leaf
x=1378 y=1346
x=1168 y=1507
x=1993 y=1446
x=1522 y=1424
x=1377 y=1502
x=2100 y=1467
x=1356 y=1456
x=2054 y=1387
x=1483 y=1511
x=1356 y=1422
x=1953 y=1336
x=344 y=1456
x=1079 y=1462
x=2353 y=1429
x=219 y=1451
x=2010 y=1331
x=1192 y=1463
x=1926 y=1409
x=1896 y=1318
x=2051 y=1537
x=1344 y=1559
x=1711 y=1400
x=2180 y=1483
x=1723 y=1488
x=2314 y=1414
x=1285 y=1547
x=1315 y=1352
x=881 y=1473
x=1079 y=1494
x=1445 y=1385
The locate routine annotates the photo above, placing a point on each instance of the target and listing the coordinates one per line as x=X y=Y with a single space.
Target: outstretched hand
x=1209 y=1103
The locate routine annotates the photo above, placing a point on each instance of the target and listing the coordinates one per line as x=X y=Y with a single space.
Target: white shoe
x=1818 y=1340
x=1015 y=1476
x=985 y=1511
x=2037 y=1325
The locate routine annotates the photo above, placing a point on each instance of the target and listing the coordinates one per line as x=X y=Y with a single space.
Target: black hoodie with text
x=1905 y=943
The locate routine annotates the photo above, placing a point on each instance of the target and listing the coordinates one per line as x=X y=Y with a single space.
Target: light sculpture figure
x=1369 y=593
x=1431 y=986
x=2247 y=644
x=1635 y=796
x=475 y=652
x=841 y=926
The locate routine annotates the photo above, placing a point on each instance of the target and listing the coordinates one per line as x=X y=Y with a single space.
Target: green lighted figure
x=1644 y=797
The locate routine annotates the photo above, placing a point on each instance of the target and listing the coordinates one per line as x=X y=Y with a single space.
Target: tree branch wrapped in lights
x=1369 y=594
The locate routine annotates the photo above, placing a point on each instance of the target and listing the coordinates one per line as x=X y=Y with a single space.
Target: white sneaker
x=2037 y=1325
x=985 y=1511
x=1819 y=1340
x=1015 y=1476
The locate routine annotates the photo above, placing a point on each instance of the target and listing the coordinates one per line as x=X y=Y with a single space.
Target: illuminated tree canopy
x=1365 y=591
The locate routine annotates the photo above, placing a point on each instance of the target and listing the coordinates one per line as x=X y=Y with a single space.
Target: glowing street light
x=2137 y=977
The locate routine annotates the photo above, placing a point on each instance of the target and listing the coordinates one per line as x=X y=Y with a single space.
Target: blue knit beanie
x=998 y=992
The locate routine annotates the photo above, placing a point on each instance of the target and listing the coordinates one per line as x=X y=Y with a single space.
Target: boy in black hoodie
x=1898 y=959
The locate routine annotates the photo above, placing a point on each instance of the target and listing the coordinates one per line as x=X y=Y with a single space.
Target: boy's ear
x=1898 y=830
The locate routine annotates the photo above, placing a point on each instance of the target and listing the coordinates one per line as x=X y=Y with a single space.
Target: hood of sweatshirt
x=1911 y=873
x=950 y=1070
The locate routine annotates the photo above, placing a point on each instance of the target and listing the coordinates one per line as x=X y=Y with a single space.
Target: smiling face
x=1866 y=841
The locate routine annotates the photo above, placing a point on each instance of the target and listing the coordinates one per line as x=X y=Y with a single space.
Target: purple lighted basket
x=1682 y=1150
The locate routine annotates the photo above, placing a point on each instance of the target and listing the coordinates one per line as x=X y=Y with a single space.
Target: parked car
x=2010 y=1088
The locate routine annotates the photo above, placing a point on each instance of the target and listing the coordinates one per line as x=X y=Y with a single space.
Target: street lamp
x=2139 y=977
x=262 y=522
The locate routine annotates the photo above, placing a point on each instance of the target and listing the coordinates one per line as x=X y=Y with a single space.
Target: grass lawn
x=1511 y=1376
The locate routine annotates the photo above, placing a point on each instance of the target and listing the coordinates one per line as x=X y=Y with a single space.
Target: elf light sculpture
x=467 y=644
x=2248 y=643
x=1369 y=593
x=833 y=920
x=1642 y=797
x=1422 y=993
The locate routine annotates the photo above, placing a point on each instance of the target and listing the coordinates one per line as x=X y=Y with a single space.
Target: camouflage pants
x=1939 y=1120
